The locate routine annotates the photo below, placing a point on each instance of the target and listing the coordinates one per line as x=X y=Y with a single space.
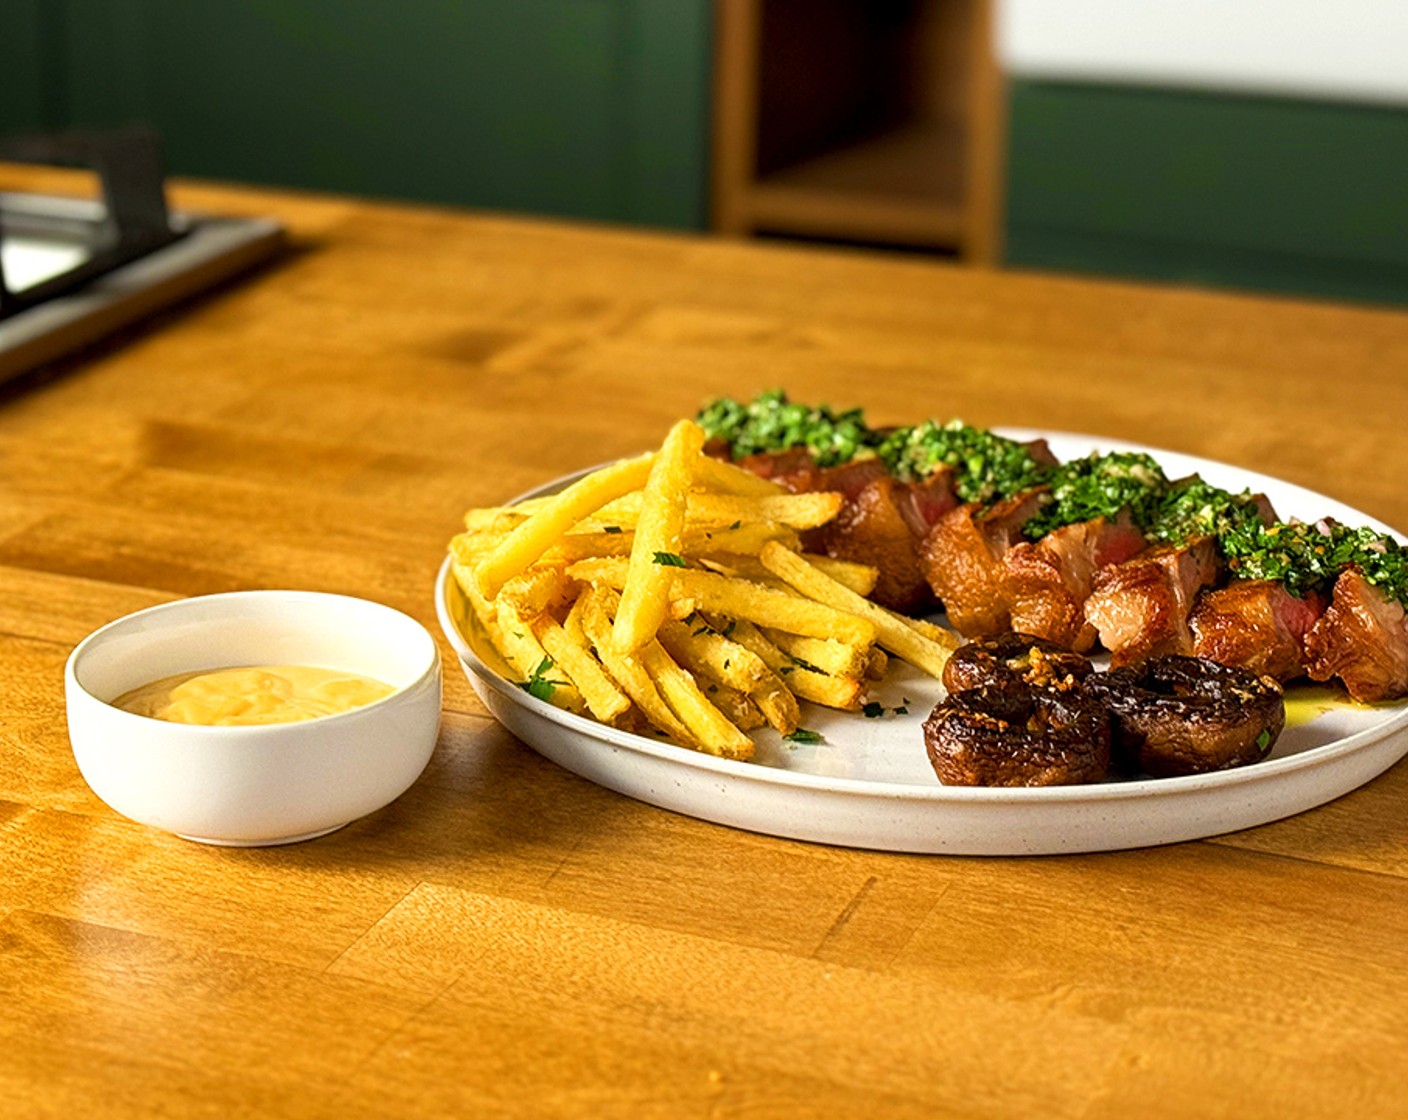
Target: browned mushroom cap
x=1011 y=657
x=1187 y=715
x=1016 y=735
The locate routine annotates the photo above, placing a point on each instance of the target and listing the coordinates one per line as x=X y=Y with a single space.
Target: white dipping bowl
x=265 y=784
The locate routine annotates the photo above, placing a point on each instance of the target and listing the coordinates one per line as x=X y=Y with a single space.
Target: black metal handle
x=136 y=221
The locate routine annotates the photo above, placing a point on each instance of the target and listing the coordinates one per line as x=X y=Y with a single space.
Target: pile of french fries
x=671 y=593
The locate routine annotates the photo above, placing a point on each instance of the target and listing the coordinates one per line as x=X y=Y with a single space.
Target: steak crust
x=1255 y=624
x=962 y=559
x=1362 y=638
x=1048 y=581
x=1141 y=607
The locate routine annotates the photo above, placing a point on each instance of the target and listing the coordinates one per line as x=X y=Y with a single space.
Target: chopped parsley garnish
x=1304 y=557
x=986 y=467
x=1194 y=508
x=807 y=665
x=873 y=710
x=802 y=735
x=1101 y=486
x=773 y=423
x=1263 y=741
x=538 y=686
x=612 y=529
x=670 y=560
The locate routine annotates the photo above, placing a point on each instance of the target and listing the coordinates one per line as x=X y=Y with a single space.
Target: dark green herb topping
x=986 y=466
x=1194 y=508
x=1101 y=486
x=537 y=685
x=772 y=423
x=611 y=529
x=802 y=735
x=1305 y=557
x=670 y=560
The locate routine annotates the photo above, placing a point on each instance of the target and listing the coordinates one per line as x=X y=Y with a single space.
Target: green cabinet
x=586 y=108
x=1253 y=192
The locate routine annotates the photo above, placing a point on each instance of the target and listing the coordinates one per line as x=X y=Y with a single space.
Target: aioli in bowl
x=246 y=696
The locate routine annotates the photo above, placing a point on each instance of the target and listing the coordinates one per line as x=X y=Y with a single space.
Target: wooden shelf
x=904 y=186
x=866 y=129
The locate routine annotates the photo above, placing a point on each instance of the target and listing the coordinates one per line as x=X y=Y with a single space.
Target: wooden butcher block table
x=508 y=939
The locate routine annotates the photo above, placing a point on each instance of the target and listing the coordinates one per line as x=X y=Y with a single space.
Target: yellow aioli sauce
x=252 y=695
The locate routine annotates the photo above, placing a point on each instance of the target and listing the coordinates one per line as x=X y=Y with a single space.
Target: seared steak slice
x=881 y=523
x=923 y=503
x=1140 y=607
x=962 y=559
x=1362 y=638
x=872 y=529
x=797 y=471
x=1048 y=581
x=1255 y=624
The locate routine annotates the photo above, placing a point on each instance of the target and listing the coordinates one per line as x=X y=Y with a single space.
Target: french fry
x=844 y=693
x=778 y=705
x=891 y=630
x=824 y=654
x=707 y=653
x=742 y=538
x=768 y=692
x=603 y=698
x=540 y=589
x=739 y=599
x=655 y=551
x=710 y=727
x=725 y=477
x=572 y=595
x=484 y=613
x=529 y=540
x=740 y=709
x=542 y=676
x=929 y=630
x=607 y=571
x=799 y=511
x=627 y=669
x=860 y=578
x=496 y=520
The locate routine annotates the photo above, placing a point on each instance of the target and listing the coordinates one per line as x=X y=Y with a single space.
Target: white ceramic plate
x=869 y=784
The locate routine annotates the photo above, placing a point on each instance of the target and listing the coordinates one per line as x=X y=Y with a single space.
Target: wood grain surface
x=510 y=940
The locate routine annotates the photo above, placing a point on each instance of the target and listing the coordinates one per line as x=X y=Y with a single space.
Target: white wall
x=1339 y=49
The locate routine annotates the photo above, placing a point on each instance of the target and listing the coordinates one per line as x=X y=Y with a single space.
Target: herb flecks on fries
x=672 y=593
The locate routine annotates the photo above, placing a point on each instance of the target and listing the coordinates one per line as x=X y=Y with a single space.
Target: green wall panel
x=26 y=41
x=1258 y=192
x=588 y=108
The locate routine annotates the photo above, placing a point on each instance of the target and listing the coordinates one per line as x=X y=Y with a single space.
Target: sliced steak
x=1255 y=624
x=1141 y=607
x=871 y=529
x=1362 y=638
x=962 y=559
x=1048 y=581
